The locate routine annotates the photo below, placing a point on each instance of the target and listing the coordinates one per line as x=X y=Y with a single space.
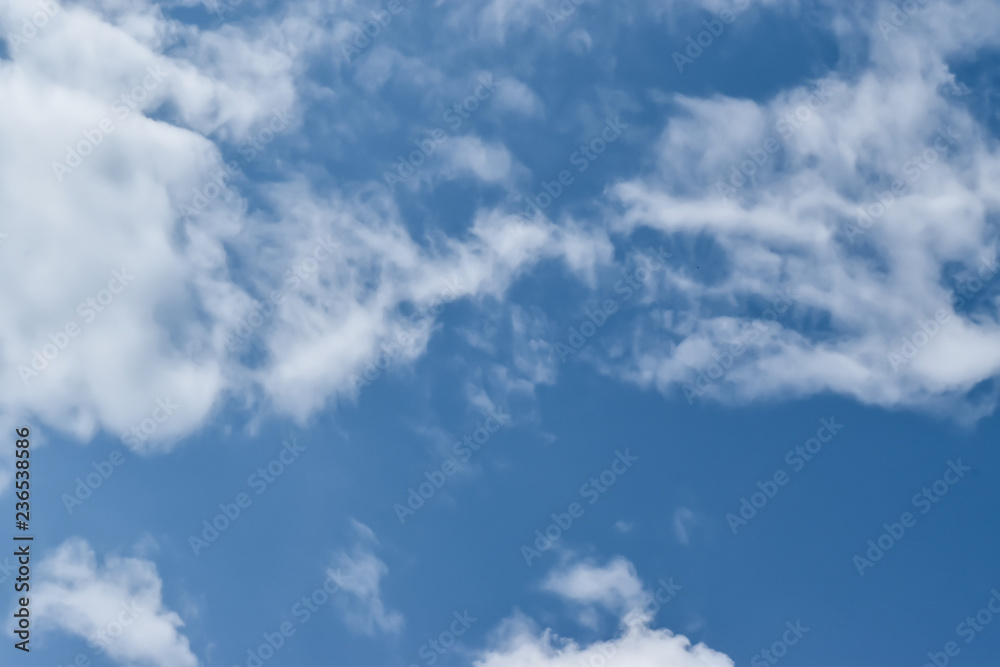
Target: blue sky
x=512 y=333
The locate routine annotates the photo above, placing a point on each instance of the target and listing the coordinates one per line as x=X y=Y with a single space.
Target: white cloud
x=496 y=17
x=165 y=335
x=118 y=607
x=359 y=573
x=684 y=518
x=519 y=643
x=623 y=526
x=118 y=212
x=615 y=586
x=488 y=162
x=789 y=229
x=330 y=327
x=516 y=96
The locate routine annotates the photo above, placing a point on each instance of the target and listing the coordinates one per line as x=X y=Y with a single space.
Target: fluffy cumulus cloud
x=615 y=587
x=118 y=301
x=142 y=269
x=117 y=607
x=334 y=321
x=124 y=223
x=860 y=205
